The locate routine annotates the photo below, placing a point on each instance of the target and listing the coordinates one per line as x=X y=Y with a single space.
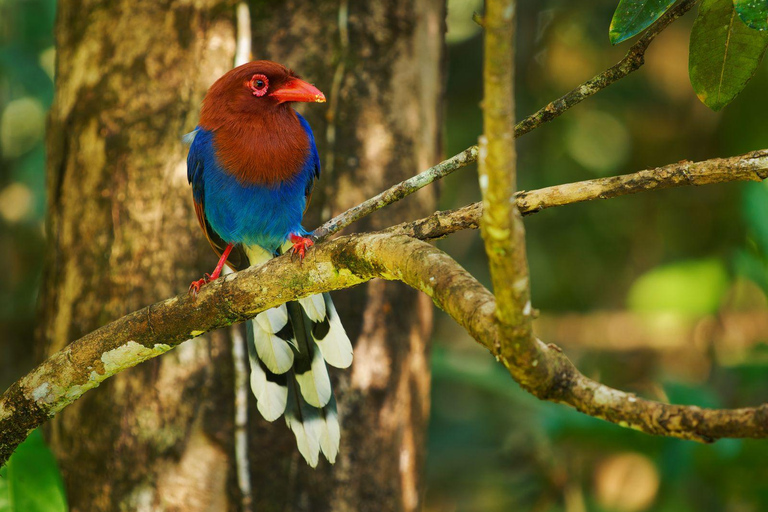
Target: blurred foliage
x=26 y=92
x=678 y=252
x=694 y=287
x=30 y=481
x=493 y=447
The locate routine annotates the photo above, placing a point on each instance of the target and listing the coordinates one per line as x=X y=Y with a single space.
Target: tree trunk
x=380 y=64
x=123 y=234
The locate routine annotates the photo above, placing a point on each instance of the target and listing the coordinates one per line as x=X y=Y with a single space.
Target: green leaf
x=694 y=287
x=634 y=16
x=724 y=53
x=31 y=481
x=754 y=13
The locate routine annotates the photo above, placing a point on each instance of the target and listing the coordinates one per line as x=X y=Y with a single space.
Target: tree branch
x=153 y=330
x=396 y=193
x=340 y=263
x=501 y=223
x=147 y=333
x=631 y=62
x=749 y=167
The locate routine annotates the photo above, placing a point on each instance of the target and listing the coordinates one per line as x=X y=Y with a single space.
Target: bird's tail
x=288 y=347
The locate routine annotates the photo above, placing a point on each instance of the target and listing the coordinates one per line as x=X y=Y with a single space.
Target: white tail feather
x=272 y=320
x=315 y=384
x=333 y=341
x=330 y=436
x=271 y=396
x=285 y=381
x=303 y=421
x=314 y=307
x=274 y=351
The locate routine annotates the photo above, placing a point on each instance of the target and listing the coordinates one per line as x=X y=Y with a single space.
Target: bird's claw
x=300 y=245
x=194 y=288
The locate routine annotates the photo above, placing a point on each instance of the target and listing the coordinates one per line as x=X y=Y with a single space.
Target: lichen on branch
x=340 y=263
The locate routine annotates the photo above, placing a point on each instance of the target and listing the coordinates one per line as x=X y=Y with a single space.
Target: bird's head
x=256 y=88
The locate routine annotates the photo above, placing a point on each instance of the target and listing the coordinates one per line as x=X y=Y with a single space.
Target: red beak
x=298 y=90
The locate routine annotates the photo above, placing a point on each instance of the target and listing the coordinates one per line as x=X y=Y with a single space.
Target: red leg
x=222 y=260
x=207 y=278
x=300 y=245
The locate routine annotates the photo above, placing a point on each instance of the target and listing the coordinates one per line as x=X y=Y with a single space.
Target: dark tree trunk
x=123 y=234
x=384 y=78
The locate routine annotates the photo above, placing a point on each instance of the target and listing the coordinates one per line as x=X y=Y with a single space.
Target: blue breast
x=249 y=214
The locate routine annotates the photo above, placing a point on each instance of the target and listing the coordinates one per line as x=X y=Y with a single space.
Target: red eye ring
x=259 y=84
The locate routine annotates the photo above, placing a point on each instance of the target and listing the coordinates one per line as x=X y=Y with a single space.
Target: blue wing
x=200 y=145
x=312 y=167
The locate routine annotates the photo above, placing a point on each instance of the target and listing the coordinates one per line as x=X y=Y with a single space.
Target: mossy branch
x=749 y=167
x=501 y=223
x=341 y=263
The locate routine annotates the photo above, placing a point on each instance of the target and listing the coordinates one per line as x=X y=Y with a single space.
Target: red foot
x=300 y=245
x=194 y=288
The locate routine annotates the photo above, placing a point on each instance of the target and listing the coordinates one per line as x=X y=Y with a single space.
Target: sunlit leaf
x=693 y=287
x=753 y=12
x=634 y=16
x=31 y=481
x=724 y=53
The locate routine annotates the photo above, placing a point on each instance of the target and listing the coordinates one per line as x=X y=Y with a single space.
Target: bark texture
x=381 y=66
x=122 y=233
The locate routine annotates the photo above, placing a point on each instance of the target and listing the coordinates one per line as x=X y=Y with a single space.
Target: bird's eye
x=259 y=85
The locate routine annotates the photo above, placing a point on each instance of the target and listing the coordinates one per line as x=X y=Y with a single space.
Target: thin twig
x=631 y=62
x=749 y=167
x=333 y=100
x=396 y=192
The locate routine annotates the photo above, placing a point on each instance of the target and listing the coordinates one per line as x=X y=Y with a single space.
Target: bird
x=252 y=164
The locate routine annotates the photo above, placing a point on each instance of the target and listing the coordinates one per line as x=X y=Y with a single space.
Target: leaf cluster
x=728 y=41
